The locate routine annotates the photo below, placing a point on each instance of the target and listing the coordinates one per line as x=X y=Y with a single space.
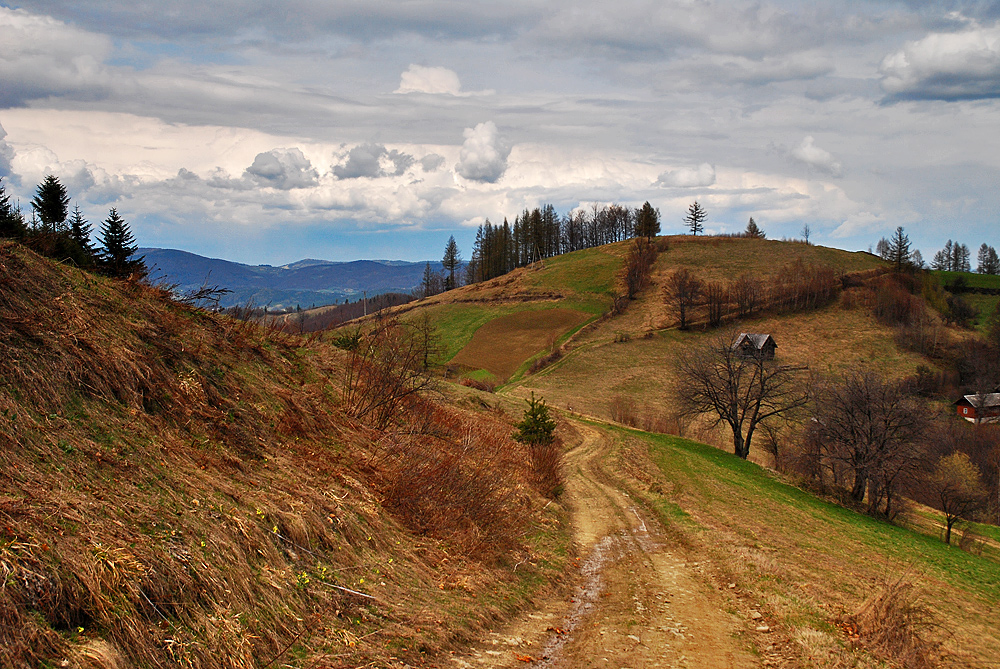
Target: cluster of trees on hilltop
x=55 y=232
x=956 y=257
x=542 y=233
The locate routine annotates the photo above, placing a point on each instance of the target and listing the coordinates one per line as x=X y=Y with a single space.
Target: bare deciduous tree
x=875 y=429
x=716 y=298
x=384 y=370
x=741 y=391
x=748 y=294
x=638 y=262
x=683 y=291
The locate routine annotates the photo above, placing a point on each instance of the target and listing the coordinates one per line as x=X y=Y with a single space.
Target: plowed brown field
x=501 y=345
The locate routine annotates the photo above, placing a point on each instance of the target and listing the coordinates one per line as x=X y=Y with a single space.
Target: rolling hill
x=185 y=488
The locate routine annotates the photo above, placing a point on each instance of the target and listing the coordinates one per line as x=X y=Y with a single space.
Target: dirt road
x=640 y=602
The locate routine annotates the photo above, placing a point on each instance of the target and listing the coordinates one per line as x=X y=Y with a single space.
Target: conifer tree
x=647 y=221
x=537 y=427
x=11 y=219
x=452 y=259
x=80 y=231
x=899 y=250
x=51 y=204
x=960 y=258
x=988 y=263
x=118 y=247
x=753 y=230
x=695 y=218
x=942 y=259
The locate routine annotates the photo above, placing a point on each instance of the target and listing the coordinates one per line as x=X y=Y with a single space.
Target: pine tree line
x=954 y=257
x=54 y=232
x=542 y=233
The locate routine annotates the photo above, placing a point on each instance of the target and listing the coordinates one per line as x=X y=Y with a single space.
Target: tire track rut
x=640 y=602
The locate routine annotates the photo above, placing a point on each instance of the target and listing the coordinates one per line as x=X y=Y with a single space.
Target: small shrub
x=554 y=354
x=960 y=312
x=921 y=337
x=894 y=305
x=896 y=624
x=537 y=430
x=660 y=422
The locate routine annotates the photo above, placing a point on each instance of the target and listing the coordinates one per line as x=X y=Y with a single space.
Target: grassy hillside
x=577 y=288
x=178 y=488
x=632 y=355
x=984 y=304
x=805 y=563
x=473 y=319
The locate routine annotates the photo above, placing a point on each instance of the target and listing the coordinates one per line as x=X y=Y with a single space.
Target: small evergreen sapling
x=537 y=427
x=537 y=432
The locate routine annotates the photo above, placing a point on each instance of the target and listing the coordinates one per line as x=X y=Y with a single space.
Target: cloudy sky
x=266 y=132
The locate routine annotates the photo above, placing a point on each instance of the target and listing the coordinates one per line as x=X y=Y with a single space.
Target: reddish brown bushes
x=624 y=411
x=638 y=263
x=485 y=385
x=894 y=305
x=383 y=371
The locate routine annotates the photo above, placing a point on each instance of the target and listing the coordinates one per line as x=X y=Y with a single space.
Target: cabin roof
x=989 y=400
x=758 y=340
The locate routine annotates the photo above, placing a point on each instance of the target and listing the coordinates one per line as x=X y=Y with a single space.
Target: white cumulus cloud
x=484 y=155
x=688 y=177
x=434 y=80
x=807 y=152
x=946 y=66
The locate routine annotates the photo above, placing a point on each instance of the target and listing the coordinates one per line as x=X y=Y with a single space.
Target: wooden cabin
x=979 y=408
x=752 y=345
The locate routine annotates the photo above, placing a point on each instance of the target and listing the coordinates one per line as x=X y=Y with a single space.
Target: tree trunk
x=947 y=532
x=860 y=483
x=739 y=446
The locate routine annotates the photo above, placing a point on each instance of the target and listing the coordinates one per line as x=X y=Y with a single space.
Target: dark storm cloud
x=372 y=160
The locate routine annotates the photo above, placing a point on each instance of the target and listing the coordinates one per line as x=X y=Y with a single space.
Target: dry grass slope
x=182 y=489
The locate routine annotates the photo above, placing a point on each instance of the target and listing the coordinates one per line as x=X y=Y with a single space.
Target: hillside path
x=640 y=602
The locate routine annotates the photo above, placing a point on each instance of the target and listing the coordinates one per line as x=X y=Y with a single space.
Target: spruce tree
x=11 y=219
x=647 y=221
x=537 y=427
x=80 y=231
x=988 y=261
x=51 y=204
x=899 y=250
x=942 y=259
x=452 y=259
x=118 y=247
x=961 y=258
x=695 y=218
x=753 y=231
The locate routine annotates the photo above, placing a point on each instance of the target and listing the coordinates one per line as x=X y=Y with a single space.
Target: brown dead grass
x=503 y=344
x=179 y=488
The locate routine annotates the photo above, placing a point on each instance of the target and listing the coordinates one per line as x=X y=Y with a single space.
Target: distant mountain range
x=305 y=283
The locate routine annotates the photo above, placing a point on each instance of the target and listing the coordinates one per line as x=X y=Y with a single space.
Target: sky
x=265 y=132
